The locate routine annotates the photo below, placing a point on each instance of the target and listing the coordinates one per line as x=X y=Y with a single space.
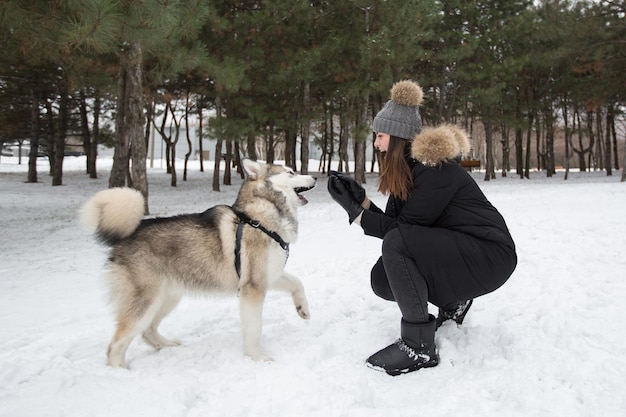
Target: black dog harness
x=243 y=219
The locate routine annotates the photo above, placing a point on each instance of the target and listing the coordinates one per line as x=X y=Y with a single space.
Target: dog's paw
x=303 y=310
x=259 y=357
x=158 y=342
x=170 y=343
x=115 y=362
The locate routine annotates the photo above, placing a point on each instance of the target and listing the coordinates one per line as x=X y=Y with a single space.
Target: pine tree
x=35 y=56
x=139 y=33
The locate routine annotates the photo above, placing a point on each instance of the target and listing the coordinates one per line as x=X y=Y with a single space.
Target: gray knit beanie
x=400 y=116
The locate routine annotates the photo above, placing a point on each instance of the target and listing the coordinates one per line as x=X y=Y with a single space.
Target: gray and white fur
x=153 y=262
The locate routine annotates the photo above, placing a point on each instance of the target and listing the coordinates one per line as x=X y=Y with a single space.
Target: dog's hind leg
x=137 y=307
x=251 y=312
x=151 y=335
x=129 y=325
x=293 y=286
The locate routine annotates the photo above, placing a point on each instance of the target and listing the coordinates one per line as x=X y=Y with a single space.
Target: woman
x=443 y=242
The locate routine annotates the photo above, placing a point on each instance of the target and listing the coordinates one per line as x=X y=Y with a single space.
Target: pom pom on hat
x=407 y=93
x=400 y=116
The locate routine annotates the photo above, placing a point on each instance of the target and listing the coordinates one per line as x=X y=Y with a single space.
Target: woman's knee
x=393 y=245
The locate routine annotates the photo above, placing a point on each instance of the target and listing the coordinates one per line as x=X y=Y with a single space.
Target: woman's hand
x=343 y=196
x=353 y=187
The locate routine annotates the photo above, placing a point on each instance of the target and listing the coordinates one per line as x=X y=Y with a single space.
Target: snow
x=550 y=342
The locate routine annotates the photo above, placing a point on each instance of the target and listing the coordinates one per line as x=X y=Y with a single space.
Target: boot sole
x=396 y=372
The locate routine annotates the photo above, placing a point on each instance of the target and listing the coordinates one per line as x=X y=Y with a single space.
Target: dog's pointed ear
x=252 y=169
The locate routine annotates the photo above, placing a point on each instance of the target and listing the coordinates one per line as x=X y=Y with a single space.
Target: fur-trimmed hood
x=436 y=145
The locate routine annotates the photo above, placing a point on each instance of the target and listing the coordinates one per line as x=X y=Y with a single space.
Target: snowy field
x=551 y=342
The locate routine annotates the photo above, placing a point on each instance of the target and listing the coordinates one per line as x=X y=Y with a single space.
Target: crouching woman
x=443 y=241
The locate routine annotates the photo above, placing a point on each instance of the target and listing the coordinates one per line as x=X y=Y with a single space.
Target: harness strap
x=238 y=247
x=243 y=219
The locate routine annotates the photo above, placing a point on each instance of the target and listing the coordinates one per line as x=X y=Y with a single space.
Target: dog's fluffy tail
x=113 y=214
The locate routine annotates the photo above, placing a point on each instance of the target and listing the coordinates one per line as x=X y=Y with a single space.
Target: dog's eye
x=290 y=172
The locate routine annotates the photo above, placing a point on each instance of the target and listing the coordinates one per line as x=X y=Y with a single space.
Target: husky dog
x=239 y=249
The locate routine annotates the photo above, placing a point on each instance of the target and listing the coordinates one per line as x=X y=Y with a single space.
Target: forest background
x=528 y=80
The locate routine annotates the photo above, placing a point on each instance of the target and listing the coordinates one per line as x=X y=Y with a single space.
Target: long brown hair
x=396 y=177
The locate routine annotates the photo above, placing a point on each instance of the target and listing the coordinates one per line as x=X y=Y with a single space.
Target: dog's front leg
x=251 y=312
x=291 y=284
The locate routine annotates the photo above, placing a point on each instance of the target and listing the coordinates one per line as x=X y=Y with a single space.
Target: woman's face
x=382 y=141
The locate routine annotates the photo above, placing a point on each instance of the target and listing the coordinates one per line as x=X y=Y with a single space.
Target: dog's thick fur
x=153 y=262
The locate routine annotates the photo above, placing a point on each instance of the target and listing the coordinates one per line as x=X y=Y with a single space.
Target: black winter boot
x=414 y=350
x=456 y=313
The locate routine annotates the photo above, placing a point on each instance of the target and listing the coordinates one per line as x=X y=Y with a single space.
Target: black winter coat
x=459 y=241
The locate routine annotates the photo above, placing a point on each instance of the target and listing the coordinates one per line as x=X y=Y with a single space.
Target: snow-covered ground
x=550 y=342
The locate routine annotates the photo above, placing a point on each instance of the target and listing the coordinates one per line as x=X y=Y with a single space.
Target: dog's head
x=282 y=179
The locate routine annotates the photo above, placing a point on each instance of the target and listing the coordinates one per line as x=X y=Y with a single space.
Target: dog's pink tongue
x=302 y=199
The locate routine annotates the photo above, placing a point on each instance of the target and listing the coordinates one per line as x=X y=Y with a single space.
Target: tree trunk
x=519 y=143
x=173 y=143
x=173 y=175
x=344 y=133
x=359 y=160
x=95 y=136
x=34 y=141
x=614 y=136
x=360 y=138
x=269 y=148
x=189 y=144
x=228 y=160
x=149 y=115
x=550 y=163
x=50 y=134
x=321 y=167
x=519 y=152
x=592 y=138
x=538 y=142
x=217 y=162
x=599 y=154
x=251 y=142
x=166 y=138
x=505 y=149
x=290 y=144
x=59 y=141
x=330 y=138
x=237 y=161
x=84 y=123
x=135 y=121
x=607 y=151
x=119 y=170
x=375 y=154
x=200 y=104
x=218 y=147
x=489 y=165
x=306 y=130
x=568 y=136
x=362 y=127
x=528 y=137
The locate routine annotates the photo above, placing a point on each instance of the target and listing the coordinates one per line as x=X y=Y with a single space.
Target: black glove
x=353 y=187
x=341 y=195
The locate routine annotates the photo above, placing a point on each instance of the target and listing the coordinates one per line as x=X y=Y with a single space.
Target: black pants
x=395 y=277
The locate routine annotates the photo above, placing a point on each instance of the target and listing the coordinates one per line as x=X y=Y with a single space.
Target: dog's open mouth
x=301 y=197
